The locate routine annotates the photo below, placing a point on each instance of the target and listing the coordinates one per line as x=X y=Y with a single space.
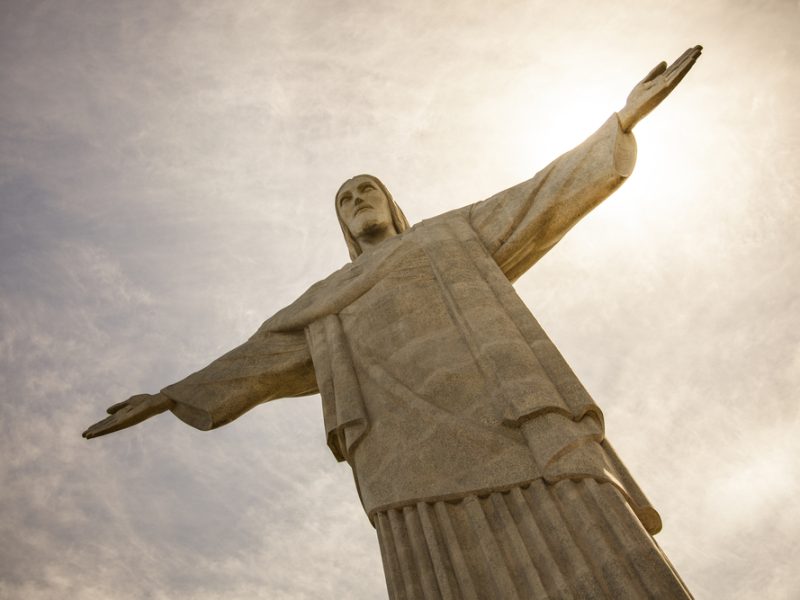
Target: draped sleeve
x=519 y=225
x=270 y=365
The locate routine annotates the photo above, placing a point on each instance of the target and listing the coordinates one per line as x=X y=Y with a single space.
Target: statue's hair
x=398 y=218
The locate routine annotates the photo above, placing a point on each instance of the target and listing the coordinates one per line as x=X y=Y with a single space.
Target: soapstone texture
x=444 y=394
x=478 y=456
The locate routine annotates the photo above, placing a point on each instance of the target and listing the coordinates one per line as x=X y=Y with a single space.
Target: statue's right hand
x=128 y=413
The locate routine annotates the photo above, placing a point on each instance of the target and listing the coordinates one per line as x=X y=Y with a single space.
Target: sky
x=167 y=173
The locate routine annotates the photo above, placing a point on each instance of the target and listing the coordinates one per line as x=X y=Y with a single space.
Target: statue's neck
x=369 y=239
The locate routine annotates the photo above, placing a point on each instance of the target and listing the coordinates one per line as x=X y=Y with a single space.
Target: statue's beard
x=372 y=227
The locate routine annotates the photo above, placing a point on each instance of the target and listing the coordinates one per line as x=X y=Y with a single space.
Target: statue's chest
x=434 y=323
x=421 y=302
x=404 y=304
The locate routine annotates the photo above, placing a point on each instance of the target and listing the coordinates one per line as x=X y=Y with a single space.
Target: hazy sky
x=167 y=172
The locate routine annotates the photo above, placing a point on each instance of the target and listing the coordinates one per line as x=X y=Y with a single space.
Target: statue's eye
x=367 y=186
x=344 y=199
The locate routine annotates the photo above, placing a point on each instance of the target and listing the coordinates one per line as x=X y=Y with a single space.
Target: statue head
x=366 y=210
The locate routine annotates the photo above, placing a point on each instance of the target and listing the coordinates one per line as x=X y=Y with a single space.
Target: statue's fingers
x=677 y=62
x=101 y=428
x=690 y=55
x=676 y=76
x=655 y=72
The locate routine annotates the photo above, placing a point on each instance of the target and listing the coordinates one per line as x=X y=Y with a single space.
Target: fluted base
x=572 y=539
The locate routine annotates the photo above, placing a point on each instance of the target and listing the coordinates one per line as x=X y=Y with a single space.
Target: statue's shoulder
x=317 y=301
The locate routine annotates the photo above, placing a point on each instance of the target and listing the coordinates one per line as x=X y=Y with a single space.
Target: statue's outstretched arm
x=269 y=365
x=519 y=225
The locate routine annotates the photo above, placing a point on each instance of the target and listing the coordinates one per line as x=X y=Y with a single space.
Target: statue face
x=363 y=207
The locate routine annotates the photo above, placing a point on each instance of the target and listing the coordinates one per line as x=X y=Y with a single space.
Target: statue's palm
x=128 y=413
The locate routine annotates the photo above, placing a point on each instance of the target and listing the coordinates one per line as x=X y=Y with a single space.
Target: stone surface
x=478 y=455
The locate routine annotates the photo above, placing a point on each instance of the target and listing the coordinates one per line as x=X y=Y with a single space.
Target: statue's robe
x=478 y=455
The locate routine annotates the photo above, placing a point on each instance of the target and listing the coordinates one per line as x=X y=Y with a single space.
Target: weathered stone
x=478 y=455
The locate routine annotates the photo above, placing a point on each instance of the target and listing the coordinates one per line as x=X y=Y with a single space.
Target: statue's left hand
x=658 y=84
x=132 y=411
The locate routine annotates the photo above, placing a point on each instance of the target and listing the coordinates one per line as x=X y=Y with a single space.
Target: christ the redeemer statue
x=478 y=455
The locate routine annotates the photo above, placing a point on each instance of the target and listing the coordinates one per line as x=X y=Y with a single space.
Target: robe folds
x=439 y=387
